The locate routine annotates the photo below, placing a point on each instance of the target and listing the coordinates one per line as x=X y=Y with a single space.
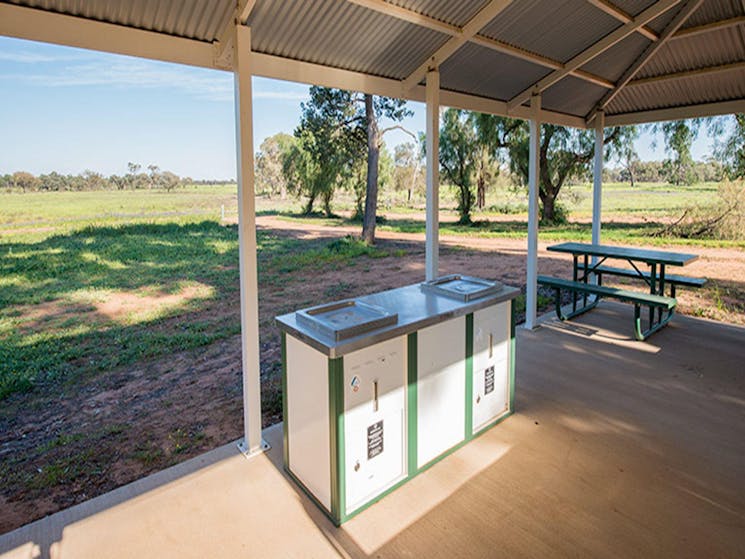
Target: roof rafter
x=517 y=52
x=383 y=7
x=623 y=17
x=706 y=71
x=680 y=18
x=594 y=50
x=470 y=29
x=708 y=27
x=276 y=67
x=677 y=113
x=411 y=16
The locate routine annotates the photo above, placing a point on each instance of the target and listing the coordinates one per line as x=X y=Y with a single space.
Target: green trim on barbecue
x=411 y=404
x=469 y=376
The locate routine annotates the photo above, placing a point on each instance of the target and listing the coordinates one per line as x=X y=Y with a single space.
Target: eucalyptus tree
x=345 y=126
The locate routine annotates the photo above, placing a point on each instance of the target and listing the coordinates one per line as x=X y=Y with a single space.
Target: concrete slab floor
x=618 y=449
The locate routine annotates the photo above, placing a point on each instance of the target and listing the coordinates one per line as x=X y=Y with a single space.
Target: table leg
x=584 y=298
x=661 y=291
x=574 y=278
x=653 y=288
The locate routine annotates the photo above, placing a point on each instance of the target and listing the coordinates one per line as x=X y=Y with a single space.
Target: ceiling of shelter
x=698 y=58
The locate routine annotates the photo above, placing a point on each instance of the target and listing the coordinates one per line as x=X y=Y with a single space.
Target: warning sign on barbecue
x=375 y=440
x=489 y=380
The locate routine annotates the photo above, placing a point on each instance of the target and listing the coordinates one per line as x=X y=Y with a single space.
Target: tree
x=564 y=153
x=731 y=151
x=311 y=167
x=92 y=180
x=345 y=125
x=407 y=161
x=168 y=180
x=154 y=176
x=678 y=136
x=375 y=108
x=628 y=158
x=25 y=181
x=459 y=148
x=269 y=176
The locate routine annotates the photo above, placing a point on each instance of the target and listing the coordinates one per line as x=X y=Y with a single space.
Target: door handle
x=375 y=395
x=491 y=345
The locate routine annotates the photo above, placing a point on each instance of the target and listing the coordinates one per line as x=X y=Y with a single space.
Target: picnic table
x=661 y=304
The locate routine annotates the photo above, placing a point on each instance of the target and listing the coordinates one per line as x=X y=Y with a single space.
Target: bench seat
x=628 y=273
x=635 y=297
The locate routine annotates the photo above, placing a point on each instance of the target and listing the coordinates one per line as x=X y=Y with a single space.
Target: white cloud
x=28 y=57
x=131 y=73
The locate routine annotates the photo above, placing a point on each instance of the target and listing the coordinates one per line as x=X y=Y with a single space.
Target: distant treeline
x=665 y=171
x=135 y=179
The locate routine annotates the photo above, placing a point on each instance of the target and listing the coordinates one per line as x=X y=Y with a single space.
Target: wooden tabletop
x=627 y=253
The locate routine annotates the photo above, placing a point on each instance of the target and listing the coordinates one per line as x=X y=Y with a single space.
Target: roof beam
x=226 y=38
x=404 y=14
x=623 y=17
x=517 y=52
x=411 y=16
x=596 y=49
x=677 y=113
x=708 y=27
x=680 y=18
x=707 y=71
x=279 y=68
x=474 y=25
x=59 y=29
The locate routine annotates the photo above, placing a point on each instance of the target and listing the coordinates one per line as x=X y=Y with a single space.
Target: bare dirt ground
x=62 y=444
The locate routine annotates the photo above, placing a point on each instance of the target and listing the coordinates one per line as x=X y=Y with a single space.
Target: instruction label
x=489 y=380
x=375 y=440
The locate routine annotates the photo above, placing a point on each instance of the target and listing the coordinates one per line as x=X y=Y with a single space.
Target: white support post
x=252 y=442
x=433 y=175
x=531 y=287
x=597 y=177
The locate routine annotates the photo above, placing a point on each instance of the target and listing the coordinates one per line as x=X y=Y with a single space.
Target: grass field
x=95 y=280
x=79 y=299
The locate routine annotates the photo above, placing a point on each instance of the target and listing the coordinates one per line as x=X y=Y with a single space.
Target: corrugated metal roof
x=195 y=19
x=715 y=10
x=632 y=7
x=572 y=96
x=613 y=62
x=698 y=51
x=478 y=70
x=455 y=13
x=559 y=29
x=342 y=35
x=680 y=93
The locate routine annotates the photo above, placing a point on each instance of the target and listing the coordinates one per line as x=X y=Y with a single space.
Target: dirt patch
x=126 y=305
x=64 y=443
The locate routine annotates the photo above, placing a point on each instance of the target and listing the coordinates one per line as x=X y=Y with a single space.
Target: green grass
x=634 y=233
x=52 y=325
x=58 y=267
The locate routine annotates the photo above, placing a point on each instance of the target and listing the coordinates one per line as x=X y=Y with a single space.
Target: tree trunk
x=481 y=193
x=548 y=211
x=373 y=155
x=309 y=204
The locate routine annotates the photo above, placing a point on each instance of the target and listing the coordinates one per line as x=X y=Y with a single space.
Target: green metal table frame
x=656 y=260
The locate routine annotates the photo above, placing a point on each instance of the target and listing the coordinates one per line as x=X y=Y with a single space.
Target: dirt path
x=64 y=443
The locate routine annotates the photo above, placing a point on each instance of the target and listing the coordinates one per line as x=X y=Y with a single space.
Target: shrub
x=722 y=220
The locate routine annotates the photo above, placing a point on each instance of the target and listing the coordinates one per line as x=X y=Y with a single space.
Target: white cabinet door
x=374 y=420
x=441 y=388
x=491 y=364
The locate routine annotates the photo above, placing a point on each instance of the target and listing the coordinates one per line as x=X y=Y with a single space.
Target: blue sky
x=67 y=110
